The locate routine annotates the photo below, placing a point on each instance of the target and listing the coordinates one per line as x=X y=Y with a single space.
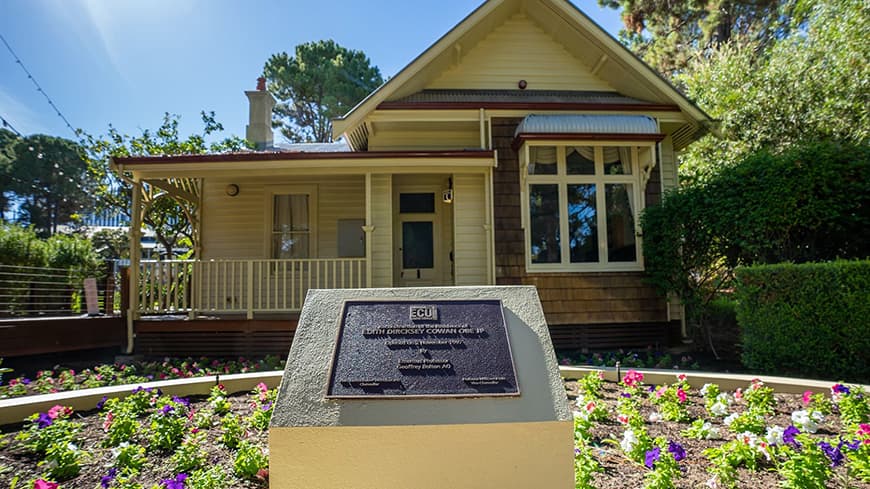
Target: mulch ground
x=619 y=472
x=22 y=463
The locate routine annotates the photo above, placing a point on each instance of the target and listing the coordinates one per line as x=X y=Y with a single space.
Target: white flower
x=629 y=440
x=748 y=438
x=729 y=419
x=711 y=483
x=774 y=435
x=581 y=414
x=71 y=447
x=724 y=398
x=719 y=409
x=807 y=421
x=709 y=432
x=655 y=417
x=704 y=389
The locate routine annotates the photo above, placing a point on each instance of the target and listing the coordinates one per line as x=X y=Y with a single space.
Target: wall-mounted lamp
x=447 y=195
x=232 y=190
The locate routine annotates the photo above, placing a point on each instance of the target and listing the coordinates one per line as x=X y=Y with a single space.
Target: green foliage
x=217 y=400
x=854 y=407
x=672 y=401
x=809 y=319
x=38 y=435
x=808 y=84
x=231 y=431
x=191 y=454
x=167 y=217
x=119 y=423
x=320 y=82
x=129 y=458
x=111 y=243
x=808 y=203
x=726 y=458
x=63 y=460
x=807 y=468
x=701 y=430
x=591 y=384
x=210 y=478
x=665 y=470
x=668 y=34
x=250 y=461
x=167 y=430
x=51 y=177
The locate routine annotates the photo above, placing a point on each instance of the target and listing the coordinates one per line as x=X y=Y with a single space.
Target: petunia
x=676 y=450
x=102 y=402
x=166 y=409
x=44 y=484
x=629 y=439
x=681 y=394
x=832 y=452
x=177 y=483
x=44 y=420
x=788 y=436
x=106 y=480
x=840 y=389
x=774 y=435
x=181 y=400
x=807 y=396
x=652 y=456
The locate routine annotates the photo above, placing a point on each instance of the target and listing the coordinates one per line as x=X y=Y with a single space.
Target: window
x=582 y=202
x=291 y=232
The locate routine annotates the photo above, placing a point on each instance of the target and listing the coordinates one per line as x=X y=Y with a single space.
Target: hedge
x=811 y=320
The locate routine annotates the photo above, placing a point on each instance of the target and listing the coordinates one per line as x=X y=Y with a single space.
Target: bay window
x=581 y=204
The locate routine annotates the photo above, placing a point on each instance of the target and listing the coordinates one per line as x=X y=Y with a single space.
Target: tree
x=50 y=178
x=811 y=85
x=165 y=216
x=667 y=34
x=7 y=138
x=320 y=82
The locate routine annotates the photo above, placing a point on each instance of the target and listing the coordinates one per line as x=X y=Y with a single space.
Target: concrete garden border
x=16 y=409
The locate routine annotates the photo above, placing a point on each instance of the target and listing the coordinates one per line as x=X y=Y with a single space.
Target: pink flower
x=661 y=391
x=681 y=377
x=632 y=378
x=738 y=394
x=681 y=394
x=108 y=422
x=622 y=419
x=590 y=406
x=13 y=382
x=806 y=397
x=863 y=429
x=43 y=484
x=56 y=411
x=601 y=375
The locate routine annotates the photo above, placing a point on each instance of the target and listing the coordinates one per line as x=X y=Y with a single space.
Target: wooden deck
x=36 y=336
x=214 y=337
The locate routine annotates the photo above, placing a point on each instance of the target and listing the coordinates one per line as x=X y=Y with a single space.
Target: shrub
x=809 y=319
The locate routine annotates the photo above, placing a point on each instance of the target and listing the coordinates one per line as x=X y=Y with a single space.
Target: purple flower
x=138 y=390
x=181 y=400
x=107 y=479
x=651 y=388
x=677 y=450
x=626 y=395
x=652 y=456
x=788 y=436
x=102 y=402
x=856 y=443
x=267 y=406
x=167 y=409
x=832 y=453
x=840 y=389
x=25 y=381
x=177 y=483
x=44 y=420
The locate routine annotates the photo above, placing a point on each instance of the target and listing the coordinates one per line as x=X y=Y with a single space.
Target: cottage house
x=520 y=148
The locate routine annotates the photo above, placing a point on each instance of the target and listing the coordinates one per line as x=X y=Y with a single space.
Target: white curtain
x=540 y=160
x=587 y=152
x=612 y=154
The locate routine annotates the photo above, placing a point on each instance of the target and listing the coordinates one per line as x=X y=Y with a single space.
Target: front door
x=418 y=232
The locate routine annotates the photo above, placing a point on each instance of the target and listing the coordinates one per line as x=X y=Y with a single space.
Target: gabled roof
x=570 y=26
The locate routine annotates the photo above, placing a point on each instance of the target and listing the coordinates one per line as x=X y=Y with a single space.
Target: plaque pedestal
x=350 y=414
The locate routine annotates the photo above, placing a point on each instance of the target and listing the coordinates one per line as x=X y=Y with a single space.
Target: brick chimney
x=259 y=129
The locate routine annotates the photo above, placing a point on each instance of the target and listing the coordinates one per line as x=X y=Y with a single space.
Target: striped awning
x=587 y=124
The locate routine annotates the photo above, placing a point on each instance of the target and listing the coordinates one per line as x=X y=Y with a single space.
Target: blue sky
x=126 y=62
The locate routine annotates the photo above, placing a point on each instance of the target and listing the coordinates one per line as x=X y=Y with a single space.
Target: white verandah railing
x=241 y=286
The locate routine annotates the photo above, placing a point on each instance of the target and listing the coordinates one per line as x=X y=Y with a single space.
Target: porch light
x=447 y=194
x=232 y=190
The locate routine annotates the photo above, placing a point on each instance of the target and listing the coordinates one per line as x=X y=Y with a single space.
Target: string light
x=9 y=125
x=38 y=87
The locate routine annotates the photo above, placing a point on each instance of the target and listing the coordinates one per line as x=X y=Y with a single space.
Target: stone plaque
x=446 y=348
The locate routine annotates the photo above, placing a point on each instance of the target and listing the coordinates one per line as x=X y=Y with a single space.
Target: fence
x=51 y=292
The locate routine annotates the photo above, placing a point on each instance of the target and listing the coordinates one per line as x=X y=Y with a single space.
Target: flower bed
x=146 y=440
x=633 y=435
x=627 y=435
x=58 y=380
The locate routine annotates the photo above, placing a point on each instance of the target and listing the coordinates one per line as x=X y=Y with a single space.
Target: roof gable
x=593 y=51
x=519 y=49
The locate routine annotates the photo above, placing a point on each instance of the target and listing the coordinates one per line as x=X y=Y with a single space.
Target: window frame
x=275 y=190
x=637 y=179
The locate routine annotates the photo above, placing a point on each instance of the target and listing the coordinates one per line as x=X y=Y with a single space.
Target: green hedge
x=811 y=319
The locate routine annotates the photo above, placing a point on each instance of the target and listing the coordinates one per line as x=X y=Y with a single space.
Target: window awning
x=579 y=124
x=598 y=127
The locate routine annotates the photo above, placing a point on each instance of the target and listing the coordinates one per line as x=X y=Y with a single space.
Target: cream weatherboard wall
x=382 y=236
x=425 y=136
x=669 y=164
x=237 y=227
x=519 y=50
x=471 y=236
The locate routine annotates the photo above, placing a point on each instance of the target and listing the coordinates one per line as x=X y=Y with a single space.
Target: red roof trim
x=588 y=136
x=279 y=156
x=526 y=106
